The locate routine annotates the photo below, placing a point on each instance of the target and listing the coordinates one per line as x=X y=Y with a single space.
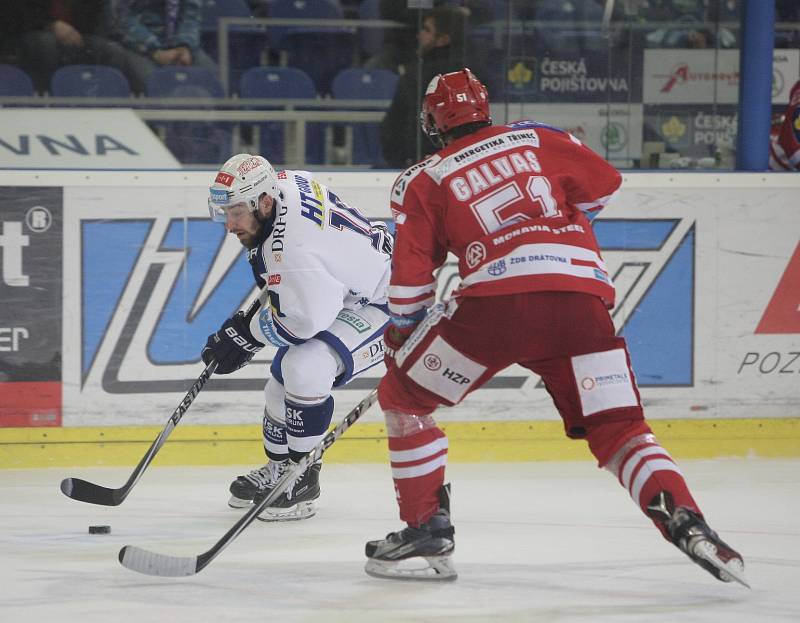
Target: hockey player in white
x=327 y=269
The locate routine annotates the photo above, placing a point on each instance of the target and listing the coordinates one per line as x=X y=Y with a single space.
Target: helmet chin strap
x=267 y=221
x=431 y=131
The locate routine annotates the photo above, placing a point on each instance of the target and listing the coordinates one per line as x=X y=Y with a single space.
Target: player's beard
x=250 y=240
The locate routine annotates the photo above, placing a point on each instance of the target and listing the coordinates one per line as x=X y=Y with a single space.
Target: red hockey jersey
x=784 y=152
x=510 y=202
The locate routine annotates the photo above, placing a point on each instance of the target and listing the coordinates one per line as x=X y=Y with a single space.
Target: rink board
x=366 y=443
x=707 y=269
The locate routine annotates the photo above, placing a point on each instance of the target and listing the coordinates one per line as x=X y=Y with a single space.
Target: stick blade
x=151 y=563
x=85 y=491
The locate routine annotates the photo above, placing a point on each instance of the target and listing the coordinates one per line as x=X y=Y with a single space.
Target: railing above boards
x=37 y=101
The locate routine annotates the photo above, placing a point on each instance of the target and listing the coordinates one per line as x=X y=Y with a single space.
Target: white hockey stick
x=152 y=563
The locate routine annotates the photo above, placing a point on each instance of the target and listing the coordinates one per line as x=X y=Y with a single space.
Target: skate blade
x=438 y=569
x=732 y=570
x=235 y=502
x=301 y=510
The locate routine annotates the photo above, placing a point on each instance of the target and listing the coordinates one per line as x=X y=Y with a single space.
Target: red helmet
x=452 y=100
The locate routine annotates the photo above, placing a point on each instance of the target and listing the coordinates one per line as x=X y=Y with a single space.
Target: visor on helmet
x=217 y=202
x=242 y=180
x=220 y=206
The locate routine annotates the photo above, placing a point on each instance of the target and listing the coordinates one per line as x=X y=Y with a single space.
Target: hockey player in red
x=512 y=202
x=784 y=148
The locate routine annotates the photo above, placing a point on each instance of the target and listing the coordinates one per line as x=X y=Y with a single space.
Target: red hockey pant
x=568 y=339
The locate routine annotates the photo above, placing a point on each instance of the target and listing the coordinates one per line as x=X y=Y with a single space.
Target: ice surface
x=549 y=542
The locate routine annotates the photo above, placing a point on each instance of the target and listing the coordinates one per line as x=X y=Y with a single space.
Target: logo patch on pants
x=444 y=371
x=604 y=381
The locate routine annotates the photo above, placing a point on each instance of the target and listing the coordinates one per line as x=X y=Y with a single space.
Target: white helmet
x=242 y=179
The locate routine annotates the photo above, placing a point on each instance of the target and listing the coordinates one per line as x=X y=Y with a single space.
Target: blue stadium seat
x=377 y=84
x=244 y=43
x=193 y=142
x=320 y=51
x=571 y=38
x=174 y=81
x=15 y=82
x=89 y=81
x=300 y=9
x=371 y=39
x=214 y=9
x=283 y=83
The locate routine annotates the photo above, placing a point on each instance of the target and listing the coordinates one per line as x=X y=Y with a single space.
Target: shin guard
x=418 y=464
x=631 y=452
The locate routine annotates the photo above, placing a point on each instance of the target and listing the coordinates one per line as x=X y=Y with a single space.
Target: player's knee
x=397 y=393
x=309 y=369
x=401 y=424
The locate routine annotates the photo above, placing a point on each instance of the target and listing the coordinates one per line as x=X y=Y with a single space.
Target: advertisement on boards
x=574 y=76
x=79 y=138
x=706 y=280
x=681 y=76
x=30 y=306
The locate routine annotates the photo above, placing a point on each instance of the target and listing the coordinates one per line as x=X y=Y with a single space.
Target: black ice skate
x=432 y=541
x=298 y=501
x=244 y=488
x=693 y=536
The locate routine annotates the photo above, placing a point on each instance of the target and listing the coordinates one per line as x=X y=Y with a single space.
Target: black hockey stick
x=151 y=563
x=85 y=491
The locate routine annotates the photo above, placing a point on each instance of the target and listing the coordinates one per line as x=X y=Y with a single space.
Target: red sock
x=418 y=464
x=631 y=452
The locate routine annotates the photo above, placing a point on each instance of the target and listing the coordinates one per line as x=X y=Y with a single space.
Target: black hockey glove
x=385 y=239
x=233 y=346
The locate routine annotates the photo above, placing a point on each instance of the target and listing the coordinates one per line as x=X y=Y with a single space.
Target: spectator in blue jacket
x=158 y=33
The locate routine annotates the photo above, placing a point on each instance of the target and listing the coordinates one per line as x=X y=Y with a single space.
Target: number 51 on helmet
x=452 y=100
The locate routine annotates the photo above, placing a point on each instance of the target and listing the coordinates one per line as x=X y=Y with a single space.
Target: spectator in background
x=784 y=149
x=49 y=34
x=158 y=33
x=787 y=11
x=440 y=49
x=259 y=8
x=702 y=29
x=398 y=52
x=13 y=24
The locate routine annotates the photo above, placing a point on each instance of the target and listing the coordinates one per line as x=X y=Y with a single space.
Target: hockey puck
x=99 y=529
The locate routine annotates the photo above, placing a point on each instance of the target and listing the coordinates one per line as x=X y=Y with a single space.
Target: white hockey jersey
x=318 y=256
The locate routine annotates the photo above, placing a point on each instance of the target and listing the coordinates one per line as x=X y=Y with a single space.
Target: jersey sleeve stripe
x=597 y=204
x=411 y=300
x=406 y=292
x=410 y=308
